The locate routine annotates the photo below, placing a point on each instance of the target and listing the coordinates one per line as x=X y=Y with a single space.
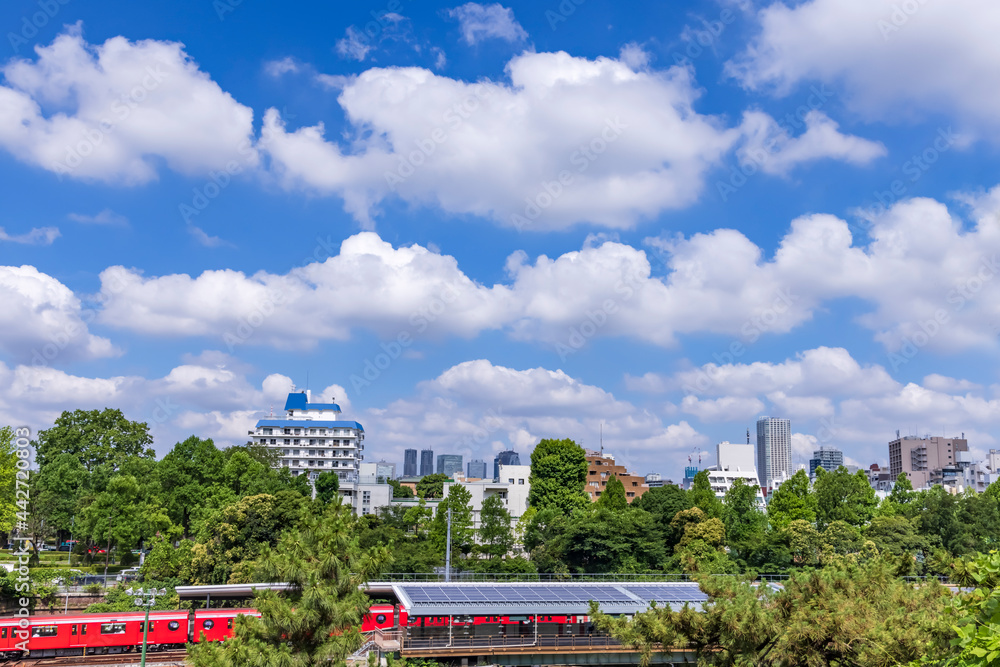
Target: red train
x=92 y=634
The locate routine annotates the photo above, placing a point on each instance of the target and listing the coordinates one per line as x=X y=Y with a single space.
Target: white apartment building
x=512 y=488
x=311 y=438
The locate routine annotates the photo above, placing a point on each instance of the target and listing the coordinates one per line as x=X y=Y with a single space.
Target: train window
x=142 y=626
x=45 y=631
x=73 y=630
x=208 y=623
x=83 y=628
x=3 y=632
x=112 y=628
x=380 y=618
x=173 y=625
x=229 y=624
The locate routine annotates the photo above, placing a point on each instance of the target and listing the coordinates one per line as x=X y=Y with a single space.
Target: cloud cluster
x=912 y=57
x=480 y=22
x=929 y=283
x=113 y=112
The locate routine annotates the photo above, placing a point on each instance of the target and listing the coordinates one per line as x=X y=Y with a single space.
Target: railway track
x=163 y=659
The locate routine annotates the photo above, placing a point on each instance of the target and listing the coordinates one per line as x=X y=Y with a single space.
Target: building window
x=274 y=441
x=287 y=431
x=267 y=431
x=286 y=452
x=520 y=481
x=288 y=441
x=510 y=481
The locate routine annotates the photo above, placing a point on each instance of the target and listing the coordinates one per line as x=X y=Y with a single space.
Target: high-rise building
x=920 y=457
x=475 y=469
x=449 y=464
x=827 y=458
x=505 y=458
x=655 y=480
x=410 y=463
x=689 y=473
x=426 y=462
x=774 y=450
x=735 y=457
x=311 y=438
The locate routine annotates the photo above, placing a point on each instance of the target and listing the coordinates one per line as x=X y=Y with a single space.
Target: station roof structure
x=502 y=598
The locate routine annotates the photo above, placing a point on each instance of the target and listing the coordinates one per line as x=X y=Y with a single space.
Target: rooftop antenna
x=748 y=436
x=602 y=438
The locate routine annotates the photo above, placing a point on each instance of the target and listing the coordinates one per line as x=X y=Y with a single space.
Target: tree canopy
x=558 y=476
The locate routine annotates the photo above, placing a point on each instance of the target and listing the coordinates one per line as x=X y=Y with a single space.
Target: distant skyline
x=480 y=225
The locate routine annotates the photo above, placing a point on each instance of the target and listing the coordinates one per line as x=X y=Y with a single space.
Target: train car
x=92 y=634
x=381 y=617
x=10 y=636
x=216 y=625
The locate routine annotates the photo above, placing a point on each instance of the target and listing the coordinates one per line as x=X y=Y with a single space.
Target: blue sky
x=479 y=225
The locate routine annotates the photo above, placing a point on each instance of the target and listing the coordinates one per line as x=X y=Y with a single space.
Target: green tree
x=185 y=474
x=558 y=476
x=431 y=486
x=841 y=496
x=236 y=535
x=317 y=621
x=8 y=479
x=744 y=520
x=604 y=540
x=663 y=503
x=896 y=535
x=495 y=534
x=123 y=515
x=902 y=490
x=327 y=487
x=613 y=496
x=704 y=497
x=976 y=615
x=845 y=614
x=95 y=437
x=400 y=491
x=543 y=538
x=59 y=489
x=459 y=501
x=792 y=501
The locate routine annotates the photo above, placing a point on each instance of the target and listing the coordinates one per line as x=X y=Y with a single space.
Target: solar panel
x=668 y=593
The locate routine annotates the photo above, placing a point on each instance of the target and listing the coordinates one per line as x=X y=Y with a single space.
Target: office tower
x=449 y=464
x=827 y=458
x=919 y=458
x=410 y=463
x=426 y=462
x=505 y=458
x=476 y=469
x=774 y=450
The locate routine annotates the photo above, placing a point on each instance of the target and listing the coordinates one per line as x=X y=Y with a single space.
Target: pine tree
x=318 y=620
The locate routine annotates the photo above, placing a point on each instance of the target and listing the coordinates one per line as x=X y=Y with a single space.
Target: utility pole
x=143 y=601
x=447 y=552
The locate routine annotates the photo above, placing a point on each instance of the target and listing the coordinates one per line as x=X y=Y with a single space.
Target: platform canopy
x=460 y=598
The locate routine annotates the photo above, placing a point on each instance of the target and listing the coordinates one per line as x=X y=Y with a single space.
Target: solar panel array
x=473 y=593
x=675 y=593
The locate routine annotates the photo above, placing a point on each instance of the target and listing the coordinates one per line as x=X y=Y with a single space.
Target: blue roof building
x=311 y=438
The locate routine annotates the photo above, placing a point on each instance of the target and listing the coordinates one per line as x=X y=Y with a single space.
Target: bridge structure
x=507 y=623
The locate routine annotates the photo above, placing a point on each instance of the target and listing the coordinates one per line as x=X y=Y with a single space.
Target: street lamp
x=145 y=599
